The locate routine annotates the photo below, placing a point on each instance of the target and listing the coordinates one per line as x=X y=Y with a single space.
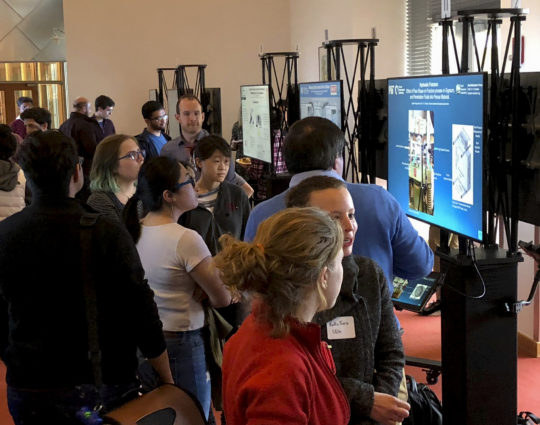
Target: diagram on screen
x=462 y=163
x=421 y=161
x=418 y=292
x=322 y=108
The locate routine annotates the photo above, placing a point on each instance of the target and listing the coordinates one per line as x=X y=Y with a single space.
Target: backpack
x=426 y=409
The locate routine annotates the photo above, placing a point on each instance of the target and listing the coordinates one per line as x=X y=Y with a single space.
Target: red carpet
x=422 y=338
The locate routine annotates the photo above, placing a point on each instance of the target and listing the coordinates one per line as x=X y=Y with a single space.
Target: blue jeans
x=60 y=406
x=188 y=364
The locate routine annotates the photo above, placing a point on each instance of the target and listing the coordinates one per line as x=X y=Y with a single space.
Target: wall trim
x=528 y=346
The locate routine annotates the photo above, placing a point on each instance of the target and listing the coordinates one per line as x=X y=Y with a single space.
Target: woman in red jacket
x=276 y=370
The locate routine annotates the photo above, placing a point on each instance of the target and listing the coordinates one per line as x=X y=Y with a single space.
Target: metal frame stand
x=502 y=174
x=363 y=114
x=283 y=92
x=479 y=335
x=182 y=84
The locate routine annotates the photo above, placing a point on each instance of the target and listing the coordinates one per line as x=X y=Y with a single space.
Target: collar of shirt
x=297 y=178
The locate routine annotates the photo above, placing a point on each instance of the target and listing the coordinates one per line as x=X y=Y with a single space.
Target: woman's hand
x=388 y=409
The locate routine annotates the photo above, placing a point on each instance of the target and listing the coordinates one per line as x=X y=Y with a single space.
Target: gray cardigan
x=107 y=204
x=374 y=359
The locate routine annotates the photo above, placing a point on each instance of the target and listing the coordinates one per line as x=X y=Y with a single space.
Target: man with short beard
x=153 y=137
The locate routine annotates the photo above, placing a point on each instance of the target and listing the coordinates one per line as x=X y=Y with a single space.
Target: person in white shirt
x=179 y=269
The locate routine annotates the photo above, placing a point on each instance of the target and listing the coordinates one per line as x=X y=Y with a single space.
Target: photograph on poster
x=421 y=143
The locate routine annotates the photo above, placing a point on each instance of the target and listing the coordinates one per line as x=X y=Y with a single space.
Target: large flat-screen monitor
x=436 y=134
x=322 y=99
x=255 y=102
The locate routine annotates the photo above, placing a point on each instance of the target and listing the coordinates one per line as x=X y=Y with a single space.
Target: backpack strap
x=87 y=222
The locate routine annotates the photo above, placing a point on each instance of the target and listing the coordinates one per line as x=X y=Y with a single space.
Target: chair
x=166 y=405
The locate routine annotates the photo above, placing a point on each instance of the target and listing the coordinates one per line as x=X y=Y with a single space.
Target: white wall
x=530 y=30
x=348 y=19
x=114 y=48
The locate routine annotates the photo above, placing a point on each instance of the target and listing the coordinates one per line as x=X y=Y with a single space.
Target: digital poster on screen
x=435 y=149
x=321 y=99
x=255 y=104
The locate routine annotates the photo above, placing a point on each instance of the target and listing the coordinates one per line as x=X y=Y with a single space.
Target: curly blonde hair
x=283 y=263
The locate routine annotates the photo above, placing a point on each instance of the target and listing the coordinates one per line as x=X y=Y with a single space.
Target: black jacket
x=86 y=133
x=230 y=216
x=145 y=142
x=377 y=347
x=43 y=330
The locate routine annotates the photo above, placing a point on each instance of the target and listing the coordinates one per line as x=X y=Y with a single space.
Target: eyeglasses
x=80 y=161
x=134 y=155
x=160 y=118
x=188 y=181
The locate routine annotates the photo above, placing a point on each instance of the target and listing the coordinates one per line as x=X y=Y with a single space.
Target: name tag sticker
x=341 y=328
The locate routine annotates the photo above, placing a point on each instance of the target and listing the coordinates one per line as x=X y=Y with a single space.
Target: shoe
x=430 y=309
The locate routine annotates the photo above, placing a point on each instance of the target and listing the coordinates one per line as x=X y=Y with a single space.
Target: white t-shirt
x=168 y=253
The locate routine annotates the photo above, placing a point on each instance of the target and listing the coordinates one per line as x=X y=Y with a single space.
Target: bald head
x=82 y=105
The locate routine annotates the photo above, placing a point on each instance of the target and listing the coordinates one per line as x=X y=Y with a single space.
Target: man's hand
x=388 y=409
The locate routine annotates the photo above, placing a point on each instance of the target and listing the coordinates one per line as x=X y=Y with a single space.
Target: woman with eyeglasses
x=179 y=268
x=114 y=172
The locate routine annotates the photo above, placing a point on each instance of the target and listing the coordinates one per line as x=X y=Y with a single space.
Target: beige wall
x=114 y=48
x=530 y=30
x=347 y=19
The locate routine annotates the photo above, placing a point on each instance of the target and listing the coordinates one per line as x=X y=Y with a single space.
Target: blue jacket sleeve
x=413 y=258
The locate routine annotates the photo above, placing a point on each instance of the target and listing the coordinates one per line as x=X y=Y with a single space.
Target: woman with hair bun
x=276 y=369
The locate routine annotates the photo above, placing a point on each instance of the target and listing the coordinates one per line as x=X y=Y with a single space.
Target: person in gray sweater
x=361 y=327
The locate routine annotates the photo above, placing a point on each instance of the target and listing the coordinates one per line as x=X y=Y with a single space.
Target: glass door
x=9 y=93
x=42 y=81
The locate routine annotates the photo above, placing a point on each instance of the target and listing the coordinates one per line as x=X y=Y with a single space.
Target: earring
x=324 y=284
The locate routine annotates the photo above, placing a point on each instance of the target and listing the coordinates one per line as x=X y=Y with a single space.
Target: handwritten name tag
x=341 y=328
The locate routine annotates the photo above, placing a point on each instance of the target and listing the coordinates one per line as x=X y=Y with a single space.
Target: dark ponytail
x=157 y=175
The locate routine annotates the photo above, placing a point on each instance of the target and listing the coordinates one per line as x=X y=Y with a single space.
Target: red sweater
x=287 y=380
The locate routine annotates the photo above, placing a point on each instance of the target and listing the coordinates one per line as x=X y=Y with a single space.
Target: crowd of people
x=304 y=279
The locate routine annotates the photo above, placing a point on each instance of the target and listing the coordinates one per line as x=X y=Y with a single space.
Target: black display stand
x=283 y=96
x=197 y=88
x=479 y=338
x=359 y=121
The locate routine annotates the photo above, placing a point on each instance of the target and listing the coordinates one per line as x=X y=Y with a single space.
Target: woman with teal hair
x=115 y=169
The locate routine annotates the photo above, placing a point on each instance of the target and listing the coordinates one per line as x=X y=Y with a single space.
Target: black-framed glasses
x=160 y=118
x=188 y=181
x=134 y=155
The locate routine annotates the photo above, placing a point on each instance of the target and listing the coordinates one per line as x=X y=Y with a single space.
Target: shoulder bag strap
x=94 y=353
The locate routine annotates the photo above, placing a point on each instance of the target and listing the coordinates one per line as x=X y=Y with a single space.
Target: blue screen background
x=454 y=99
